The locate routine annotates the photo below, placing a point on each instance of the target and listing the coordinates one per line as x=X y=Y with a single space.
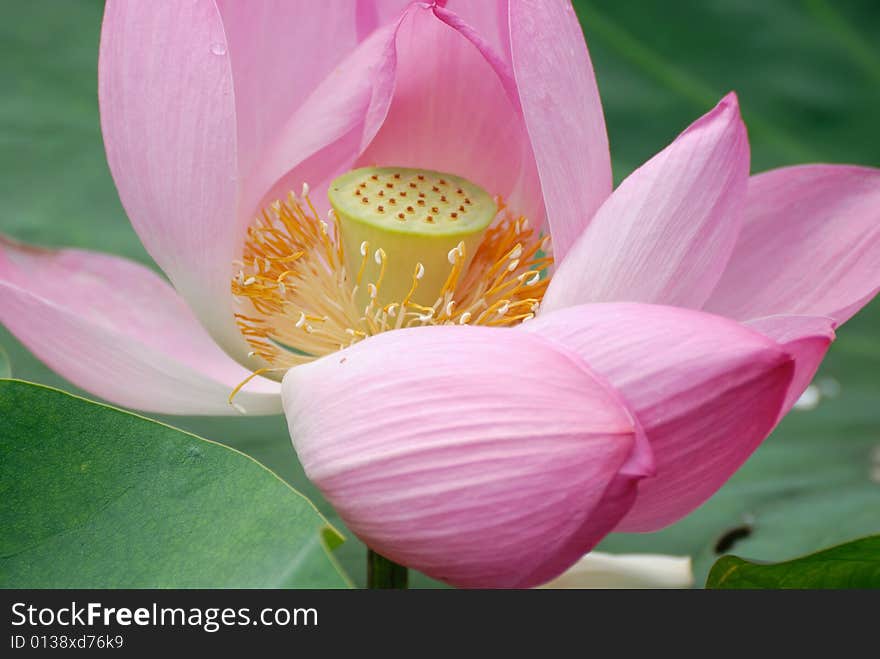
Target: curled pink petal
x=810 y=245
x=279 y=51
x=372 y=14
x=706 y=390
x=119 y=331
x=165 y=88
x=393 y=102
x=563 y=114
x=456 y=113
x=482 y=457
x=806 y=338
x=323 y=137
x=489 y=19
x=665 y=235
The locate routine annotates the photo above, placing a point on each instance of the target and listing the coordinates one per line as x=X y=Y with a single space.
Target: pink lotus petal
x=665 y=235
x=372 y=14
x=806 y=338
x=482 y=457
x=167 y=113
x=563 y=113
x=279 y=51
x=487 y=17
x=456 y=113
x=323 y=137
x=118 y=330
x=706 y=390
x=492 y=16
x=383 y=106
x=810 y=245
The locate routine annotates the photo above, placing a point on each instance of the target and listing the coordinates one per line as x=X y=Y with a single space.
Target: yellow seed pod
x=394 y=218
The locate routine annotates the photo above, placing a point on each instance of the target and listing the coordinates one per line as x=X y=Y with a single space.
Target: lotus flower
x=469 y=409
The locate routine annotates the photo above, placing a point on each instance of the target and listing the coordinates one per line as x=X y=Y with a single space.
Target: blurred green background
x=808 y=77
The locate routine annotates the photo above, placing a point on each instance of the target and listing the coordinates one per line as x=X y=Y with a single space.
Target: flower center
x=414 y=216
x=404 y=248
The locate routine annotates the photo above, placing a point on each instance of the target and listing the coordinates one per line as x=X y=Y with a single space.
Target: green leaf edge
x=725 y=566
x=329 y=536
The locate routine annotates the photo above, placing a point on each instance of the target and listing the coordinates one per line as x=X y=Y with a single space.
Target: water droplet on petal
x=218 y=48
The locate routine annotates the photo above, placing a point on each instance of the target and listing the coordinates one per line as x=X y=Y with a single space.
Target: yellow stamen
x=300 y=299
x=240 y=385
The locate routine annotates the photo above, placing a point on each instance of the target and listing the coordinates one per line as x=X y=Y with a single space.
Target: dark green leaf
x=806 y=73
x=5 y=366
x=96 y=497
x=853 y=565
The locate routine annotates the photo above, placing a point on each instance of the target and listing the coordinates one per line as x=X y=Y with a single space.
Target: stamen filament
x=300 y=301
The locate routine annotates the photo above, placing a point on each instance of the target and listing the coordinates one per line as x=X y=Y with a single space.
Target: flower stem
x=382 y=573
